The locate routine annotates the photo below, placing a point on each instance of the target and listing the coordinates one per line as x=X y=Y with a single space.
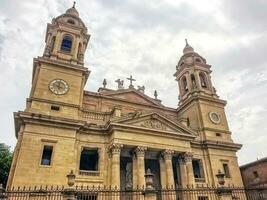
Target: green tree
x=5 y=162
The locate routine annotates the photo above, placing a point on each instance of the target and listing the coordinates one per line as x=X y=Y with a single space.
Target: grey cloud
x=247 y=15
x=143 y=16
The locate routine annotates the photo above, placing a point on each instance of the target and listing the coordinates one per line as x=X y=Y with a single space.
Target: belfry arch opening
x=203 y=80
x=184 y=84
x=66 y=44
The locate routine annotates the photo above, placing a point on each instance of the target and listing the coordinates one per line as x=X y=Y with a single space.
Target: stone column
x=167 y=154
x=170 y=194
x=115 y=150
x=183 y=172
x=140 y=163
x=162 y=167
x=187 y=161
x=135 y=183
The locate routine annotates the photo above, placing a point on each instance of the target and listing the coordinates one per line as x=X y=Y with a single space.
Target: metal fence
x=103 y=193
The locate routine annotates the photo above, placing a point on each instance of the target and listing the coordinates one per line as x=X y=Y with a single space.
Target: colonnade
x=165 y=162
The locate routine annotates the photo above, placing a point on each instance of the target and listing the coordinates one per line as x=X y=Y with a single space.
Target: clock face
x=214 y=117
x=59 y=86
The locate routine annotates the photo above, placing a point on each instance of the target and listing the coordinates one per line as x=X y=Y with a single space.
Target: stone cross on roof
x=131 y=81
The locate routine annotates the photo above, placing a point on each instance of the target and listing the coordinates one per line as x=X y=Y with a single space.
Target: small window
x=89 y=160
x=197 y=168
x=47 y=155
x=198 y=60
x=55 y=108
x=256 y=175
x=226 y=170
x=218 y=134
x=66 y=44
x=70 y=21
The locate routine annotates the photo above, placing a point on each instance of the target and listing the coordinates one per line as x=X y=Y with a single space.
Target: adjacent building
x=255 y=173
x=110 y=137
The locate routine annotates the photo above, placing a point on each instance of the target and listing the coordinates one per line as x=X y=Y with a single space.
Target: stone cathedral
x=112 y=136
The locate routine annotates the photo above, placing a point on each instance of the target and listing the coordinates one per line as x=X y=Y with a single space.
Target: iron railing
x=107 y=193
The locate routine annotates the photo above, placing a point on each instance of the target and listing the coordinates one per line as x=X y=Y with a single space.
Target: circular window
x=214 y=117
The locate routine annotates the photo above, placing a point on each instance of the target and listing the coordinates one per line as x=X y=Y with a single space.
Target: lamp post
x=220 y=177
x=71 y=178
x=149 y=180
x=69 y=193
x=223 y=192
x=150 y=192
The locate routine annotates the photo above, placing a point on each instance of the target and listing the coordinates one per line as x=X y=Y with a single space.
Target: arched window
x=53 y=43
x=194 y=85
x=79 y=50
x=66 y=44
x=184 y=84
x=198 y=60
x=203 y=81
x=70 y=21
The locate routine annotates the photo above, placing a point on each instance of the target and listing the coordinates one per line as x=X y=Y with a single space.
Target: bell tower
x=59 y=76
x=193 y=75
x=198 y=102
x=66 y=38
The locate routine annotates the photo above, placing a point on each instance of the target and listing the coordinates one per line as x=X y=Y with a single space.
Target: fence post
x=224 y=193
x=2 y=195
x=150 y=192
x=150 y=195
x=70 y=193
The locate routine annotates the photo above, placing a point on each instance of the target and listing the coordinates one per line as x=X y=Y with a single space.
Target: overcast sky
x=145 y=39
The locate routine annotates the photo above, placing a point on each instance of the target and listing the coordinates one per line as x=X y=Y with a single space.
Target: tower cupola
x=193 y=75
x=188 y=48
x=67 y=38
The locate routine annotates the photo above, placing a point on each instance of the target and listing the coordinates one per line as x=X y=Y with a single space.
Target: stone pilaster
x=115 y=150
x=167 y=154
x=140 y=163
x=186 y=164
x=109 y=154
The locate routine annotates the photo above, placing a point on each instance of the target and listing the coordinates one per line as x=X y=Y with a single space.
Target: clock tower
x=202 y=110
x=59 y=76
x=199 y=104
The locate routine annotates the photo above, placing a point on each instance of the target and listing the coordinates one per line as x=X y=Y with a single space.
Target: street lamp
x=71 y=178
x=220 y=177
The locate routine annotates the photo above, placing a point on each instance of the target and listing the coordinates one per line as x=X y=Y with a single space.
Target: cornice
x=210 y=144
x=98 y=95
x=111 y=127
x=200 y=97
x=21 y=118
x=78 y=68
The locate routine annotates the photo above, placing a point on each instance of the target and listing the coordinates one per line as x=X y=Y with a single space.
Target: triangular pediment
x=155 y=121
x=132 y=95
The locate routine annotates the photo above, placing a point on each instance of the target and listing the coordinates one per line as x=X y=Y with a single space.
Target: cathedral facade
x=111 y=137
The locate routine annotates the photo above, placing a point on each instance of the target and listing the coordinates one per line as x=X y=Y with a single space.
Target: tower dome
x=72 y=11
x=187 y=48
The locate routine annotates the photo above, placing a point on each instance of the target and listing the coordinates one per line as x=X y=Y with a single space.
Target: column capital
x=167 y=154
x=140 y=150
x=115 y=148
x=186 y=157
